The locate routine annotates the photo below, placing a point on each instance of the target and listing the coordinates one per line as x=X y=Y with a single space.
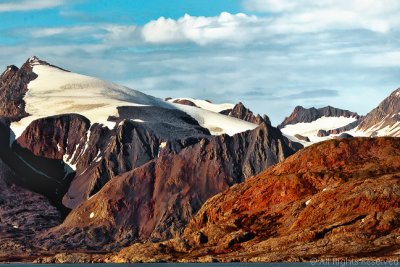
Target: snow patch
x=163 y=145
x=98 y=158
x=138 y=120
x=110 y=124
x=217 y=123
x=308 y=202
x=68 y=159
x=310 y=129
x=59 y=147
x=91 y=216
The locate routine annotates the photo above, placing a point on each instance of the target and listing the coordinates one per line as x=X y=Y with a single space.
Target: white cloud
x=226 y=28
x=28 y=5
x=54 y=31
x=382 y=59
x=309 y=15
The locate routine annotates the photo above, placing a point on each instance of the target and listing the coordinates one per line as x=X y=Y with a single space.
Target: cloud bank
x=29 y=5
x=308 y=15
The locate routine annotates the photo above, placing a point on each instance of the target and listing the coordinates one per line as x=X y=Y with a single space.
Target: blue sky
x=270 y=54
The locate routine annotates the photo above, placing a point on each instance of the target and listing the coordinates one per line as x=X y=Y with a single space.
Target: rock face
x=13 y=86
x=156 y=200
x=340 y=198
x=322 y=133
x=302 y=138
x=67 y=146
x=304 y=115
x=239 y=111
x=385 y=119
x=23 y=214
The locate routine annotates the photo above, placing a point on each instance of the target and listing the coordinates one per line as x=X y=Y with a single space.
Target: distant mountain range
x=89 y=166
x=314 y=125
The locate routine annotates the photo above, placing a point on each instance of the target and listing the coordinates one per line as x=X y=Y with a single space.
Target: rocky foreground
x=340 y=199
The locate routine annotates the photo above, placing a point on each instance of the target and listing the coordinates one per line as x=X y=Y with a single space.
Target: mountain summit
x=384 y=120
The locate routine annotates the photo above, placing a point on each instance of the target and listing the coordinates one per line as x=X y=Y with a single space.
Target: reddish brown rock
x=340 y=198
x=155 y=201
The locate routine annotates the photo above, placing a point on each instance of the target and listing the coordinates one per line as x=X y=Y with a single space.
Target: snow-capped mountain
x=76 y=134
x=54 y=91
x=384 y=120
x=314 y=125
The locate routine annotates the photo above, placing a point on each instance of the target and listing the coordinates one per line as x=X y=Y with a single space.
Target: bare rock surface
x=335 y=199
x=155 y=201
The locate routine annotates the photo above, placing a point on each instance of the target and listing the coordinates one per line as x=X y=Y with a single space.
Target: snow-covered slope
x=205 y=104
x=56 y=91
x=216 y=123
x=310 y=129
x=384 y=120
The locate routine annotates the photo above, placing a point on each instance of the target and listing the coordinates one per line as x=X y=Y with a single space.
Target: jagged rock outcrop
x=13 y=86
x=385 y=119
x=322 y=133
x=346 y=128
x=301 y=114
x=156 y=200
x=302 y=138
x=239 y=111
x=335 y=199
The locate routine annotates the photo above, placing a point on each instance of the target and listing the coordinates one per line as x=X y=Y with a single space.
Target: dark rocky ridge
x=303 y=115
x=99 y=153
x=13 y=86
x=239 y=111
x=302 y=138
x=346 y=128
x=156 y=200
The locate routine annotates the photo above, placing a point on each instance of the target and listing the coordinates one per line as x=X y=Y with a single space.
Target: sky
x=272 y=55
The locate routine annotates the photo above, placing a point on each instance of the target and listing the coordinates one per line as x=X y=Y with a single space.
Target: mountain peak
x=384 y=119
x=34 y=60
x=306 y=115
